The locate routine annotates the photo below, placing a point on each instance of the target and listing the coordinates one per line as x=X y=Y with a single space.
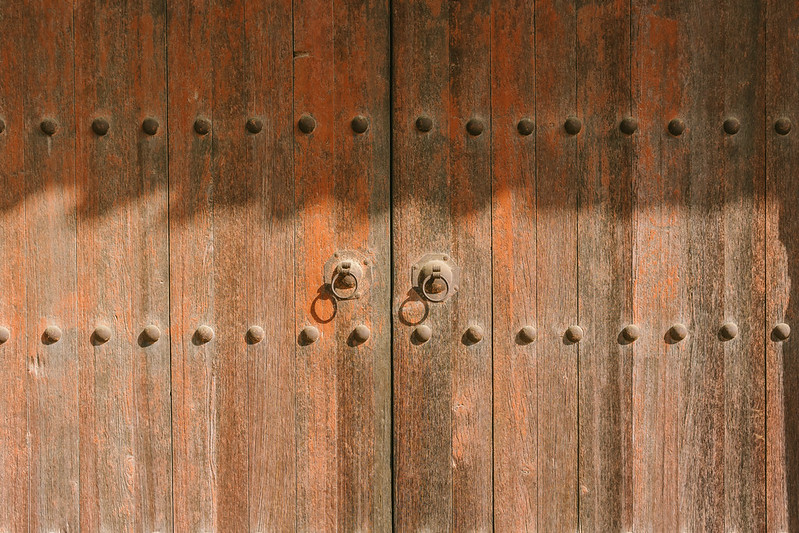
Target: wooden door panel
x=123 y=266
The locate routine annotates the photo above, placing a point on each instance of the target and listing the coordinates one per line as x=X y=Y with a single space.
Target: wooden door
x=412 y=265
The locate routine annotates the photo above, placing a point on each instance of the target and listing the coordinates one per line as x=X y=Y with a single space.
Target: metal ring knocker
x=342 y=270
x=434 y=275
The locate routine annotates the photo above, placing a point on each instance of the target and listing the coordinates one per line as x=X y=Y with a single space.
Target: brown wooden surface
x=605 y=265
x=782 y=266
x=556 y=252
x=123 y=267
x=341 y=184
x=514 y=227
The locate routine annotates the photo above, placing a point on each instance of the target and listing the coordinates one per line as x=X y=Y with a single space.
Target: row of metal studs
x=359 y=124
x=421 y=334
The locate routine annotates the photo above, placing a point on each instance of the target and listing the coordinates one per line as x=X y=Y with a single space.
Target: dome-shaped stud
x=5 y=334
x=527 y=335
x=732 y=126
x=782 y=125
x=630 y=333
x=255 y=334
x=361 y=334
x=424 y=123
x=254 y=125
x=51 y=335
x=574 y=334
x=677 y=332
x=49 y=126
x=475 y=127
x=728 y=331
x=202 y=126
x=525 y=127
x=628 y=125
x=149 y=126
x=676 y=126
x=204 y=334
x=359 y=124
x=150 y=334
x=306 y=123
x=100 y=126
x=422 y=333
x=781 y=332
x=2 y=125
x=101 y=335
x=309 y=335
x=473 y=335
x=573 y=125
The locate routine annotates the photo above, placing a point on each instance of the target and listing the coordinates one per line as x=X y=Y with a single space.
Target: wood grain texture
x=782 y=266
x=341 y=182
x=443 y=462
x=123 y=267
x=268 y=219
x=14 y=457
x=556 y=255
x=52 y=369
x=514 y=228
x=210 y=190
x=605 y=265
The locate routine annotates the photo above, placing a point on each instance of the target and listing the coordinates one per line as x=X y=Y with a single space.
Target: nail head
x=424 y=123
x=631 y=333
x=2 y=125
x=204 y=334
x=678 y=332
x=52 y=334
x=100 y=126
x=306 y=124
x=781 y=331
x=361 y=333
x=474 y=127
x=525 y=127
x=676 y=126
x=573 y=125
x=782 y=125
x=423 y=333
x=527 y=334
x=5 y=334
x=150 y=126
x=152 y=333
x=474 y=334
x=49 y=126
x=102 y=334
x=732 y=126
x=628 y=125
x=254 y=125
x=359 y=124
x=574 y=333
x=255 y=334
x=310 y=334
x=202 y=126
x=728 y=331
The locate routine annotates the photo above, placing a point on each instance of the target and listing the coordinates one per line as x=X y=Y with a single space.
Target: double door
x=415 y=264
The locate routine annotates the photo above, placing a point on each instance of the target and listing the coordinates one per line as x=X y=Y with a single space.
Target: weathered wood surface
x=604 y=260
x=782 y=264
x=514 y=208
x=123 y=266
x=441 y=203
x=341 y=184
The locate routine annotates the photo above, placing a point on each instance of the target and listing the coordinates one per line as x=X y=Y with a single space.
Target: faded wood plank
x=14 y=457
x=782 y=265
x=210 y=193
x=268 y=222
x=47 y=41
x=442 y=388
x=514 y=228
x=556 y=256
x=341 y=190
x=660 y=177
x=123 y=266
x=605 y=264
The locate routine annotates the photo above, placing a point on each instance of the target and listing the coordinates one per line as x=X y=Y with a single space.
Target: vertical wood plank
x=782 y=265
x=47 y=39
x=14 y=458
x=269 y=254
x=123 y=266
x=605 y=265
x=211 y=195
x=442 y=190
x=556 y=257
x=342 y=195
x=660 y=177
x=514 y=228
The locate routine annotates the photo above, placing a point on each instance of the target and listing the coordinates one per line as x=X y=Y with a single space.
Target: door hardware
x=435 y=277
x=347 y=275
